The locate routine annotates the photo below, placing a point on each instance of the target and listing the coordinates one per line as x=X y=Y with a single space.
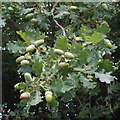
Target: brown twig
x=41 y=51
x=56 y=22
x=88 y=44
x=43 y=82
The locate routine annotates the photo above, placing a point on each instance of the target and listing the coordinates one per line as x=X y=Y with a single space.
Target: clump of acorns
x=30 y=16
x=24 y=60
x=26 y=95
x=67 y=55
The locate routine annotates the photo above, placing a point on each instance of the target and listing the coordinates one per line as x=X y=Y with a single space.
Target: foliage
x=74 y=94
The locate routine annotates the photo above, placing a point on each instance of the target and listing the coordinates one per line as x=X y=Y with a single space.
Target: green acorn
x=77 y=70
x=19 y=59
x=78 y=39
x=39 y=42
x=69 y=55
x=59 y=51
x=65 y=13
x=33 y=20
x=29 y=16
x=63 y=64
x=27 y=56
x=72 y=8
x=48 y=96
x=104 y=6
x=89 y=77
x=20 y=85
x=27 y=77
x=109 y=45
x=24 y=62
x=16 y=86
x=30 y=48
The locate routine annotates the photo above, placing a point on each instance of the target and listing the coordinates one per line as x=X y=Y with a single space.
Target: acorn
x=72 y=7
x=78 y=39
x=59 y=51
x=63 y=64
x=19 y=59
x=25 y=95
x=20 y=85
x=27 y=56
x=109 y=45
x=30 y=48
x=24 y=62
x=48 y=96
x=33 y=20
x=29 y=16
x=89 y=76
x=65 y=13
x=16 y=86
x=77 y=70
x=39 y=42
x=105 y=7
x=27 y=77
x=69 y=55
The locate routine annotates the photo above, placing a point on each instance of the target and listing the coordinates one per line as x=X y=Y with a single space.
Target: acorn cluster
x=31 y=16
x=67 y=55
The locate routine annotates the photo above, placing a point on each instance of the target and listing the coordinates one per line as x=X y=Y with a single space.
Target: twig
x=88 y=44
x=43 y=82
x=56 y=22
x=79 y=101
x=41 y=51
x=111 y=110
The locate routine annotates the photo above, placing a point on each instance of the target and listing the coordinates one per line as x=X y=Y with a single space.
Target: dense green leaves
x=37 y=67
x=63 y=63
x=62 y=43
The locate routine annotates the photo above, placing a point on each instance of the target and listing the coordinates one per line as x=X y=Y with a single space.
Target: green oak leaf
x=14 y=47
x=88 y=83
x=23 y=36
x=103 y=28
x=24 y=69
x=62 y=43
x=104 y=77
x=96 y=37
x=37 y=67
x=106 y=65
x=36 y=99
